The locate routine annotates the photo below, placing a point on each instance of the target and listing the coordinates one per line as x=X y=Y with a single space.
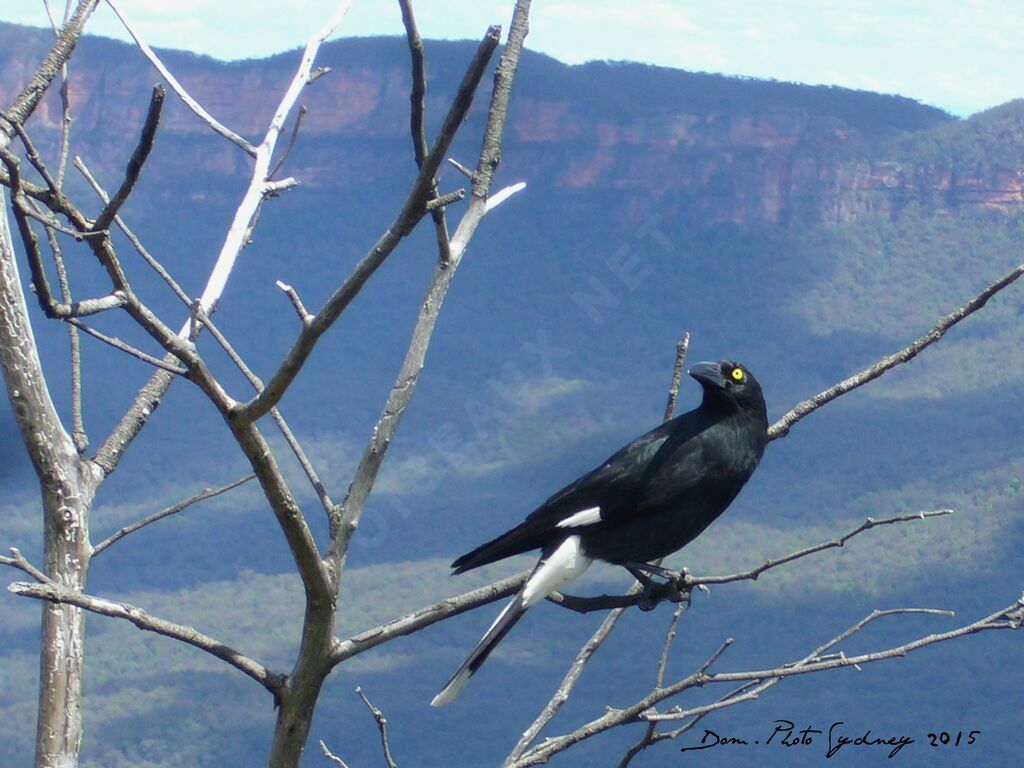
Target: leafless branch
x=275 y=413
x=128 y=348
x=331 y=756
x=382 y=726
x=678 y=589
x=467 y=172
x=50 y=223
x=424 y=617
x=39 y=83
x=317 y=580
x=31 y=153
x=65 y=104
x=572 y=676
x=346 y=519
x=867 y=525
x=677 y=375
x=417 y=114
x=781 y=427
x=672 y=590
x=304 y=316
x=177 y=87
x=132 y=237
x=419 y=82
x=78 y=433
x=651 y=734
x=260 y=185
x=138 y=159
x=640 y=711
x=57 y=594
x=659 y=680
x=237 y=236
x=206 y=493
x=412 y=210
x=17 y=560
x=145 y=402
x=44 y=293
x=440 y=202
x=503 y=194
x=291 y=141
x=151 y=393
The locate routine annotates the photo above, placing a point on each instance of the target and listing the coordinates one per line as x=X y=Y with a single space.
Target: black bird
x=651 y=498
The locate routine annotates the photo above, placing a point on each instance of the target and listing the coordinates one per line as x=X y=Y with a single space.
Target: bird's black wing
x=612 y=490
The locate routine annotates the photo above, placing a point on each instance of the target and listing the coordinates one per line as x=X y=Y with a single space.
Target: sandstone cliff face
x=752 y=162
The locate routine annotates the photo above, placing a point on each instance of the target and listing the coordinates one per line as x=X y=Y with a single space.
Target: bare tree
x=69 y=475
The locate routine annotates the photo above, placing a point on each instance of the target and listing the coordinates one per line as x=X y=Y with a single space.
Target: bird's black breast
x=695 y=475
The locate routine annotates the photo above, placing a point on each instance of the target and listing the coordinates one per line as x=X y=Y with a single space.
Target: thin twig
x=677 y=375
x=441 y=201
x=331 y=756
x=382 y=726
x=304 y=316
x=648 y=736
x=781 y=427
x=51 y=223
x=128 y=348
x=17 y=560
x=666 y=647
x=867 y=525
x=206 y=493
x=78 y=433
x=467 y=172
x=32 y=153
x=65 y=103
x=417 y=115
x=291 y=141
x=177 y=87
x=503 y=194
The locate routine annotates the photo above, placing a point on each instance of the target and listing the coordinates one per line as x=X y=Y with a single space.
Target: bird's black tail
x=505 y=621
x=520 y=539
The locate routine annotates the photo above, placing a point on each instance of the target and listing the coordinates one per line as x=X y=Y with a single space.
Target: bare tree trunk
x=299 y=697
x=61 y=657
x=68 y=485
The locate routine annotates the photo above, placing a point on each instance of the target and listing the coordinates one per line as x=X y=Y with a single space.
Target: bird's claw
x=647 y=601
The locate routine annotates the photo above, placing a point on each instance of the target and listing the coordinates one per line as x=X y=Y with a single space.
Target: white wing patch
x=564 y=564
x=582 y=518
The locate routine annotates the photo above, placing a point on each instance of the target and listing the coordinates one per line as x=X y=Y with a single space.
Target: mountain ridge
x=739 y=150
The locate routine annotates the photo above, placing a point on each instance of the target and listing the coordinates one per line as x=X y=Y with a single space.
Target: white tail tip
x=453 y=689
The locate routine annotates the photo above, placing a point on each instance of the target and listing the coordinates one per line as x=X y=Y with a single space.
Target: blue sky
x=961 y=55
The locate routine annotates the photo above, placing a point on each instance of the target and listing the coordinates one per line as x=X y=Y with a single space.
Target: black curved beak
x=709 y=374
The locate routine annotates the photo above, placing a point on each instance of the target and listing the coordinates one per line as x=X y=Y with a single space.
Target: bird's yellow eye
x=737 y=374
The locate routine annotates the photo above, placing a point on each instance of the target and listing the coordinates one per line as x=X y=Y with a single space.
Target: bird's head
x=729 y=382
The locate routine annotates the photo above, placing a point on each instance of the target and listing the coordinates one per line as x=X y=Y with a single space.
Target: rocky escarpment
x=724 y=149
